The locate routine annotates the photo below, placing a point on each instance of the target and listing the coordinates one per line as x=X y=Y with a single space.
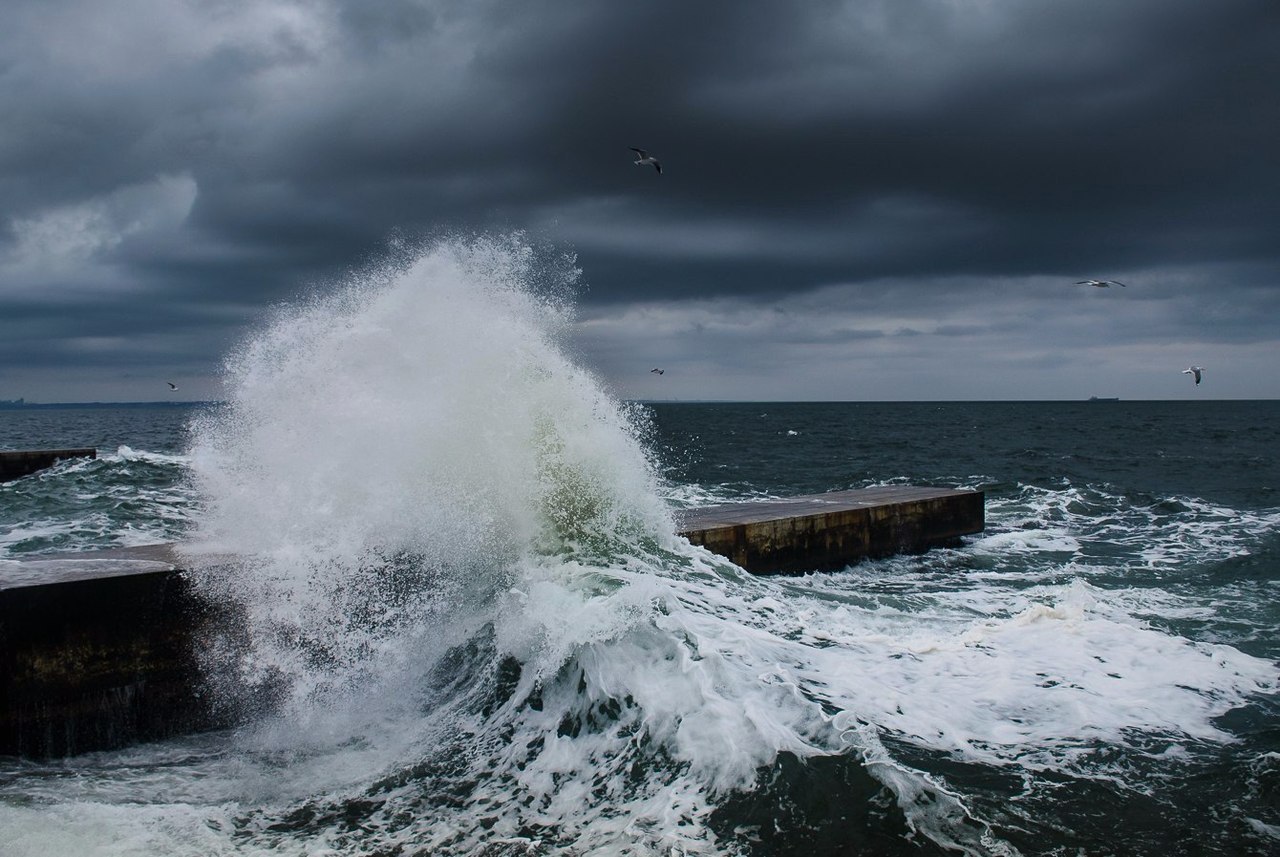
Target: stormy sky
x=866 y=200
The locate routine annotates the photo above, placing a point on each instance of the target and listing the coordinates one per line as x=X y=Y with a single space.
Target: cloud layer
x=886 y=199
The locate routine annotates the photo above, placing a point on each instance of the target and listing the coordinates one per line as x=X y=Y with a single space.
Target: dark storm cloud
x=179 y=166
x=1061 y=137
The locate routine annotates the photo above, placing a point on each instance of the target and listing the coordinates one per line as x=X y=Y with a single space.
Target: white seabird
x=172 y=386
x=657 y=371
x=644 y=159
x=1101 y=284
x=1193 y=371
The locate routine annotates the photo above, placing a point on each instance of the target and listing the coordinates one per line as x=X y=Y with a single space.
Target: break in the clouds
x=880 y=199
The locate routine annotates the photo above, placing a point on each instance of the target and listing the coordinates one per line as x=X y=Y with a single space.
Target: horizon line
x=20 y=404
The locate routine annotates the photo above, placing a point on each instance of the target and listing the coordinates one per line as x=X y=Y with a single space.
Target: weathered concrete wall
x=103 y=649
x=104 y=656
x=15 y=465
x=828 y=531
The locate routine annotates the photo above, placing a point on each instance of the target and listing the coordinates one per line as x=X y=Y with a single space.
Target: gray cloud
x=853 y=181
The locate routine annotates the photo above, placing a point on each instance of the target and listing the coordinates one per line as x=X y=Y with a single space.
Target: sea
x=456 y=552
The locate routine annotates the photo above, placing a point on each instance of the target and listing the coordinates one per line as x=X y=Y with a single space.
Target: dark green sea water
x=1095 y=674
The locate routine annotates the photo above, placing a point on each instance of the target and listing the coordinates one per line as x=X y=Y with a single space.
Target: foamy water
x=122 y=498
x=460 y=573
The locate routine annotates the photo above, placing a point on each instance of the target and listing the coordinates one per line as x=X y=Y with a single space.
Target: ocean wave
x=116 y=500
x=1110 y=527
x=480 y=635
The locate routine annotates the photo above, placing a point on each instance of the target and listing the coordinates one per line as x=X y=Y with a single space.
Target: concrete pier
x=830 y=531
x=19 y=463
x=99 y=650
x=102 y=649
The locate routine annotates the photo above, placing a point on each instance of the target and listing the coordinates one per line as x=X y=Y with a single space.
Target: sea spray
x=408 y=439
x=457 y=564
x=451 y=548
x=1093 y=674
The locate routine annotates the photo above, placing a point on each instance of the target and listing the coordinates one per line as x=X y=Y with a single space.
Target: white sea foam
x=1173 y=533
x=424 y=419
x=693 y=495
x=1049 y=540
x=35 y=531
x=127 y=453
x=457 y=560
x=154 y=522
x=120 y=499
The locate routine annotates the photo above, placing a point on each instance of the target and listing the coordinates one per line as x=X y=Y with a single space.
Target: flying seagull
x=656 y=371
x=1194 y=370
x=644 y=159
x=1101 y=284
x=172 y=386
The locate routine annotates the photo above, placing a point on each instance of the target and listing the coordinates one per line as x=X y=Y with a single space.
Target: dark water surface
x=133 y=493
x=152 y=428
x=1177 y=499
x=1222 y=452
x=1095 y=674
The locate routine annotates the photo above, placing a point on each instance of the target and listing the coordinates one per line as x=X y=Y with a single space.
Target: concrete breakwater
x=18 y=463
x=102 y=649
x=826 y=531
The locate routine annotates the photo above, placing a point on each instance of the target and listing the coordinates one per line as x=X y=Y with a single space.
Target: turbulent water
x=483 y=637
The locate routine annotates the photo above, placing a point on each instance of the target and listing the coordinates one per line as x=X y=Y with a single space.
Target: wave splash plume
x=461 y=578
x=461 y=571
x=480 y=635
x=417 y=440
